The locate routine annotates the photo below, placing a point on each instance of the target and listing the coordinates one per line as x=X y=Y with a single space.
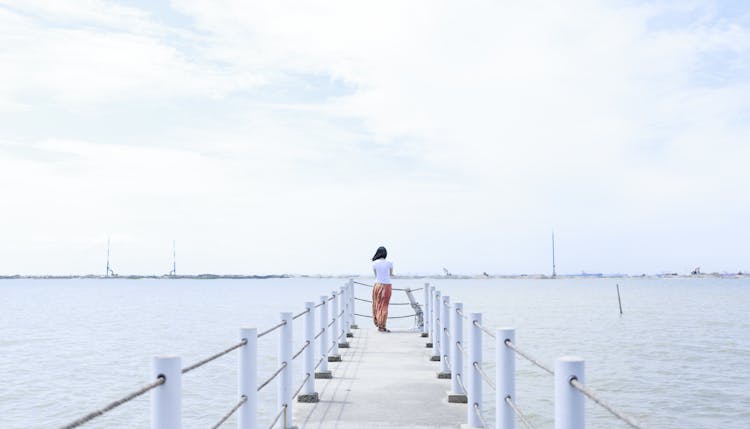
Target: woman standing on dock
x=381 y=293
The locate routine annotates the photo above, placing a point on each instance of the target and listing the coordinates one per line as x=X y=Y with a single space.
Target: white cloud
x=483 y=124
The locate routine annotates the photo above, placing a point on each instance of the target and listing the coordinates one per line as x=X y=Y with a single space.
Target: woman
x=381 y=293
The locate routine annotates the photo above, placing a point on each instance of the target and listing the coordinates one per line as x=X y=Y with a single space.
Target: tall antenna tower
x=174 y=260
x=554 y=272
x=109 y=271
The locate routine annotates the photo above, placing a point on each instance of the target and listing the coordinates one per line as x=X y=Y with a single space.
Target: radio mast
x=554 y=273
x=174 y=260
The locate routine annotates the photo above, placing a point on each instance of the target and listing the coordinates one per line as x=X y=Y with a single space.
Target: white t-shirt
x=382 y=271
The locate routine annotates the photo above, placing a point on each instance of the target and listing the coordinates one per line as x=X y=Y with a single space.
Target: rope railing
x=485 y=330
x=112 y=405
x=298 y=315
x=229 y=414
x=486 y=378
x=478 y=412
x=307 y=377
x=395 y=288
x=390 y=317
x=272 y=328
x=504 y=386
x=214 y=357
x=526 y=423
x=460 y=347
x=390 y=303
x=319 y=362
x=528 y=357
x=274 y=375
x=278 y=416
x=460 y=380
x=307 y=343
x=171 y=366
x=591 y=395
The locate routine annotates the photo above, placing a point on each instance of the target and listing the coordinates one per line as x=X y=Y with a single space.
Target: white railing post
x=323 y=371
x=247 y=375
x=352 y=300
x=426 y=311
x=284 y=380
x=349 y=309
x=436 y=326
x=308 y=393
x=505 y=378
x=445 y=345
x=166 y=400
x=474 y=396
x=343 y=320
x=334 y=340
x=457 y=394
x=569 y=402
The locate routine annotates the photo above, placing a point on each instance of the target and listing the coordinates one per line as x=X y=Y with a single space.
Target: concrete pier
x=386 y=380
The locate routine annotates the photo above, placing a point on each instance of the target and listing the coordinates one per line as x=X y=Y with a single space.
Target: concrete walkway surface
x=385 y=380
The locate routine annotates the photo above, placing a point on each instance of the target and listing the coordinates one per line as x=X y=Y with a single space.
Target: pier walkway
x=429 y=377
x=385 y=380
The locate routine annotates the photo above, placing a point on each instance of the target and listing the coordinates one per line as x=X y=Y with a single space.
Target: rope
x=461 y=313
x=390 y=317
x=518 y=413
x=331 y=323
x=591 y=395
x=320 y=305
x=307 y=343
x=229 y=414
x=395 y=288
x=283 y=409
x=479 y=414
x=461 y=347
x=528 y=357
x=307 y=377
x=319 y=362
x=269 y=330
x=486 y=331
x=461 y=383
x=447 y=360
x=390 y=303
x=216 y=356
x=109 y=407
x=283 y=365
x=484 y=376
x=447 y=332
x=319 y=334
x=300 y=314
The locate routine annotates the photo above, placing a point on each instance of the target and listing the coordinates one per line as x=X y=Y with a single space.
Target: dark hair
x=381 y=253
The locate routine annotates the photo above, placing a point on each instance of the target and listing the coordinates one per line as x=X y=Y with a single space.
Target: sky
x=297 y=137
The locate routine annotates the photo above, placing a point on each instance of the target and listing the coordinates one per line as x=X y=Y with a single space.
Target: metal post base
x=310 y=397
x=324 y=375
x=435 y=358
x=349 y=335
x=354 y=327
x=336 y=358
x=428 y=345
x=457 y=398
x=444 y=374
x=424 y=334
x=343 y=345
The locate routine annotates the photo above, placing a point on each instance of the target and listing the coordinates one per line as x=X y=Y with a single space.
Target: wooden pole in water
x=619 y=301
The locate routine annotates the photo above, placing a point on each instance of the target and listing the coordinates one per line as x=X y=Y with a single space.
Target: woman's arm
x=391 y=269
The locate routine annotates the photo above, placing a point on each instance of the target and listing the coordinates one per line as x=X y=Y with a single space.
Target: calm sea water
x=677 y=358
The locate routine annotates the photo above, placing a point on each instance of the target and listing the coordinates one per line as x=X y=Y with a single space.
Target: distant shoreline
x=345 y=276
